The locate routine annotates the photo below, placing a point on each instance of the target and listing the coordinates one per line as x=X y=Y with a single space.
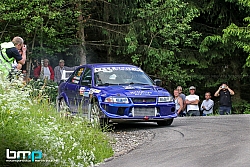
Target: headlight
x=165 y=99
x=113 y=99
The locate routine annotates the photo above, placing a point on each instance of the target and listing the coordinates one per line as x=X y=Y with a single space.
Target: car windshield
x=121 y=77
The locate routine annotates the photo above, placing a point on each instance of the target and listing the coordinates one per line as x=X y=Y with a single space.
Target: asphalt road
x=215 y=141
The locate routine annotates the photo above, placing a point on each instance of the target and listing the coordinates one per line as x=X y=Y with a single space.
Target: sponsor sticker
x=82 y=90
x=110 y=69
x=86 y=94
x=95 y=90
x=141 y=93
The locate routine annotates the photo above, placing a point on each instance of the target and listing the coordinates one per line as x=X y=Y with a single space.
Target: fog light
x=172 y=109
x=120 y=111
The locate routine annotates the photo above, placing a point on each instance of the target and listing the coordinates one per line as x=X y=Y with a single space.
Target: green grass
x=28 y=125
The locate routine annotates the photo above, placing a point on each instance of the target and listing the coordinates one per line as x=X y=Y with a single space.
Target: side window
x=76 y=76
x=87 y=77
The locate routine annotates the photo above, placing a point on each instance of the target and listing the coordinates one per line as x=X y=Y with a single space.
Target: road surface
x=212 y=141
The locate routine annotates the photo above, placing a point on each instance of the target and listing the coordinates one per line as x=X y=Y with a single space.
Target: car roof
x=98 y=65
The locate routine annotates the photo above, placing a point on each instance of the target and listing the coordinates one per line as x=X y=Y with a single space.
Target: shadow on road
x=136 y=125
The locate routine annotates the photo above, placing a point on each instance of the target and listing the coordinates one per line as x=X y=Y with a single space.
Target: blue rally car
x=114 y=93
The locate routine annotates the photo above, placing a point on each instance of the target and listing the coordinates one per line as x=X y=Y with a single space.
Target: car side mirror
x=157 y=82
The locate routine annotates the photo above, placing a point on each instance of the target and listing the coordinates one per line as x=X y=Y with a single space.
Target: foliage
x=241 y=107
x=247 y=110
x=220 y=23
x=43 y=89
x=28 y=125
x=152 y=34
x=182 y=42
x=47 y=26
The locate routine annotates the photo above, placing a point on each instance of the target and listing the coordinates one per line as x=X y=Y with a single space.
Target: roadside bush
x=43 y=89
x=28 y=125
x=241 y=107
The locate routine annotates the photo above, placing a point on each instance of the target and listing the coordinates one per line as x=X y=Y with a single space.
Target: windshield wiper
x=107 y=84
x=132 y=83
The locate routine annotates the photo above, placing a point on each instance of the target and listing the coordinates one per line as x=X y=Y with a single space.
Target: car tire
x=165 y=123
x=95 y=116
x=62 y=107
x=95 y=113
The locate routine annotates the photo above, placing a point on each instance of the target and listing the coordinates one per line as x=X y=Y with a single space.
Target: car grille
x=143 y=100
x=144 y=111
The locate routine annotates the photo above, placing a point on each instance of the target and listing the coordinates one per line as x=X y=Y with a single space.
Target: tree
x=48 y=27
x=224 y=44
x=151 y=34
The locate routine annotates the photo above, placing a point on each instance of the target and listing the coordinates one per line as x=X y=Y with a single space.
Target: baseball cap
x=192 y=87
x=61 y=61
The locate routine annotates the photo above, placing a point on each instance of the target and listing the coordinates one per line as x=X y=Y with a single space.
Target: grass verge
x=29 y=125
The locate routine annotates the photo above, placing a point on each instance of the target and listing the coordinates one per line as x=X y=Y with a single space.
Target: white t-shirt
x=46 y=72
x=192 y=106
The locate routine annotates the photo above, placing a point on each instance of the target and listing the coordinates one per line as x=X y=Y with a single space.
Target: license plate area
x=144 y=111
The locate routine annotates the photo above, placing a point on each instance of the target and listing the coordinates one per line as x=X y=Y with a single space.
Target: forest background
x=182 y=42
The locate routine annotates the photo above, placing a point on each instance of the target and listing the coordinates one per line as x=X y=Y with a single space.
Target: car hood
x=130 y=91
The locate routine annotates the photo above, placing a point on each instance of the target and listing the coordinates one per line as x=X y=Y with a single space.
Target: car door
x=83 y=89
x=71 y=89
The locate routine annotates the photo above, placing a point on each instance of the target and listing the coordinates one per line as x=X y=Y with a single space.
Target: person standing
x=225 y=93
x=44 y=71
x=178 y=103
x=183 y=97
x=192 y=102
x=207 y=105
x=59 y=70
x=10 y=57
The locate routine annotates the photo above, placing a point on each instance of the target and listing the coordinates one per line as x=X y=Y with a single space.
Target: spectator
x=225 y=93
x=10 y=56
x=59 y=70
x=183 y=96
x=178 y=103
x=207 y=105
x=192 y=102
x=46 y=73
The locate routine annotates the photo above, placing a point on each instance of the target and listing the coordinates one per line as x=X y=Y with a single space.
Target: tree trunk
x=81 y=36
x=82 y=47
x=106 y=19
x=236 y=86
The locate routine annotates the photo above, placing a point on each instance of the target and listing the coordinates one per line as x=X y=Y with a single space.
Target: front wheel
x=95 y=116
x=165 y=123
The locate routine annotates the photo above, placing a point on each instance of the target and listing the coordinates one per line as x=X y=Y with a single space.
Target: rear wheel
x=63 y=107
x=165 y=123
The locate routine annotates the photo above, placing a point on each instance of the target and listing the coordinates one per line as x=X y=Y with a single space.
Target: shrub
x=240 y=107
x=43 y=89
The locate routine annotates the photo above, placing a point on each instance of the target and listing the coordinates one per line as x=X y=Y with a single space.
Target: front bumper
x=138 y=112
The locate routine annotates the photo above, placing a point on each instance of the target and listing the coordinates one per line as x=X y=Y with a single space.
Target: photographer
x=225 y=93
x=10 y=57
